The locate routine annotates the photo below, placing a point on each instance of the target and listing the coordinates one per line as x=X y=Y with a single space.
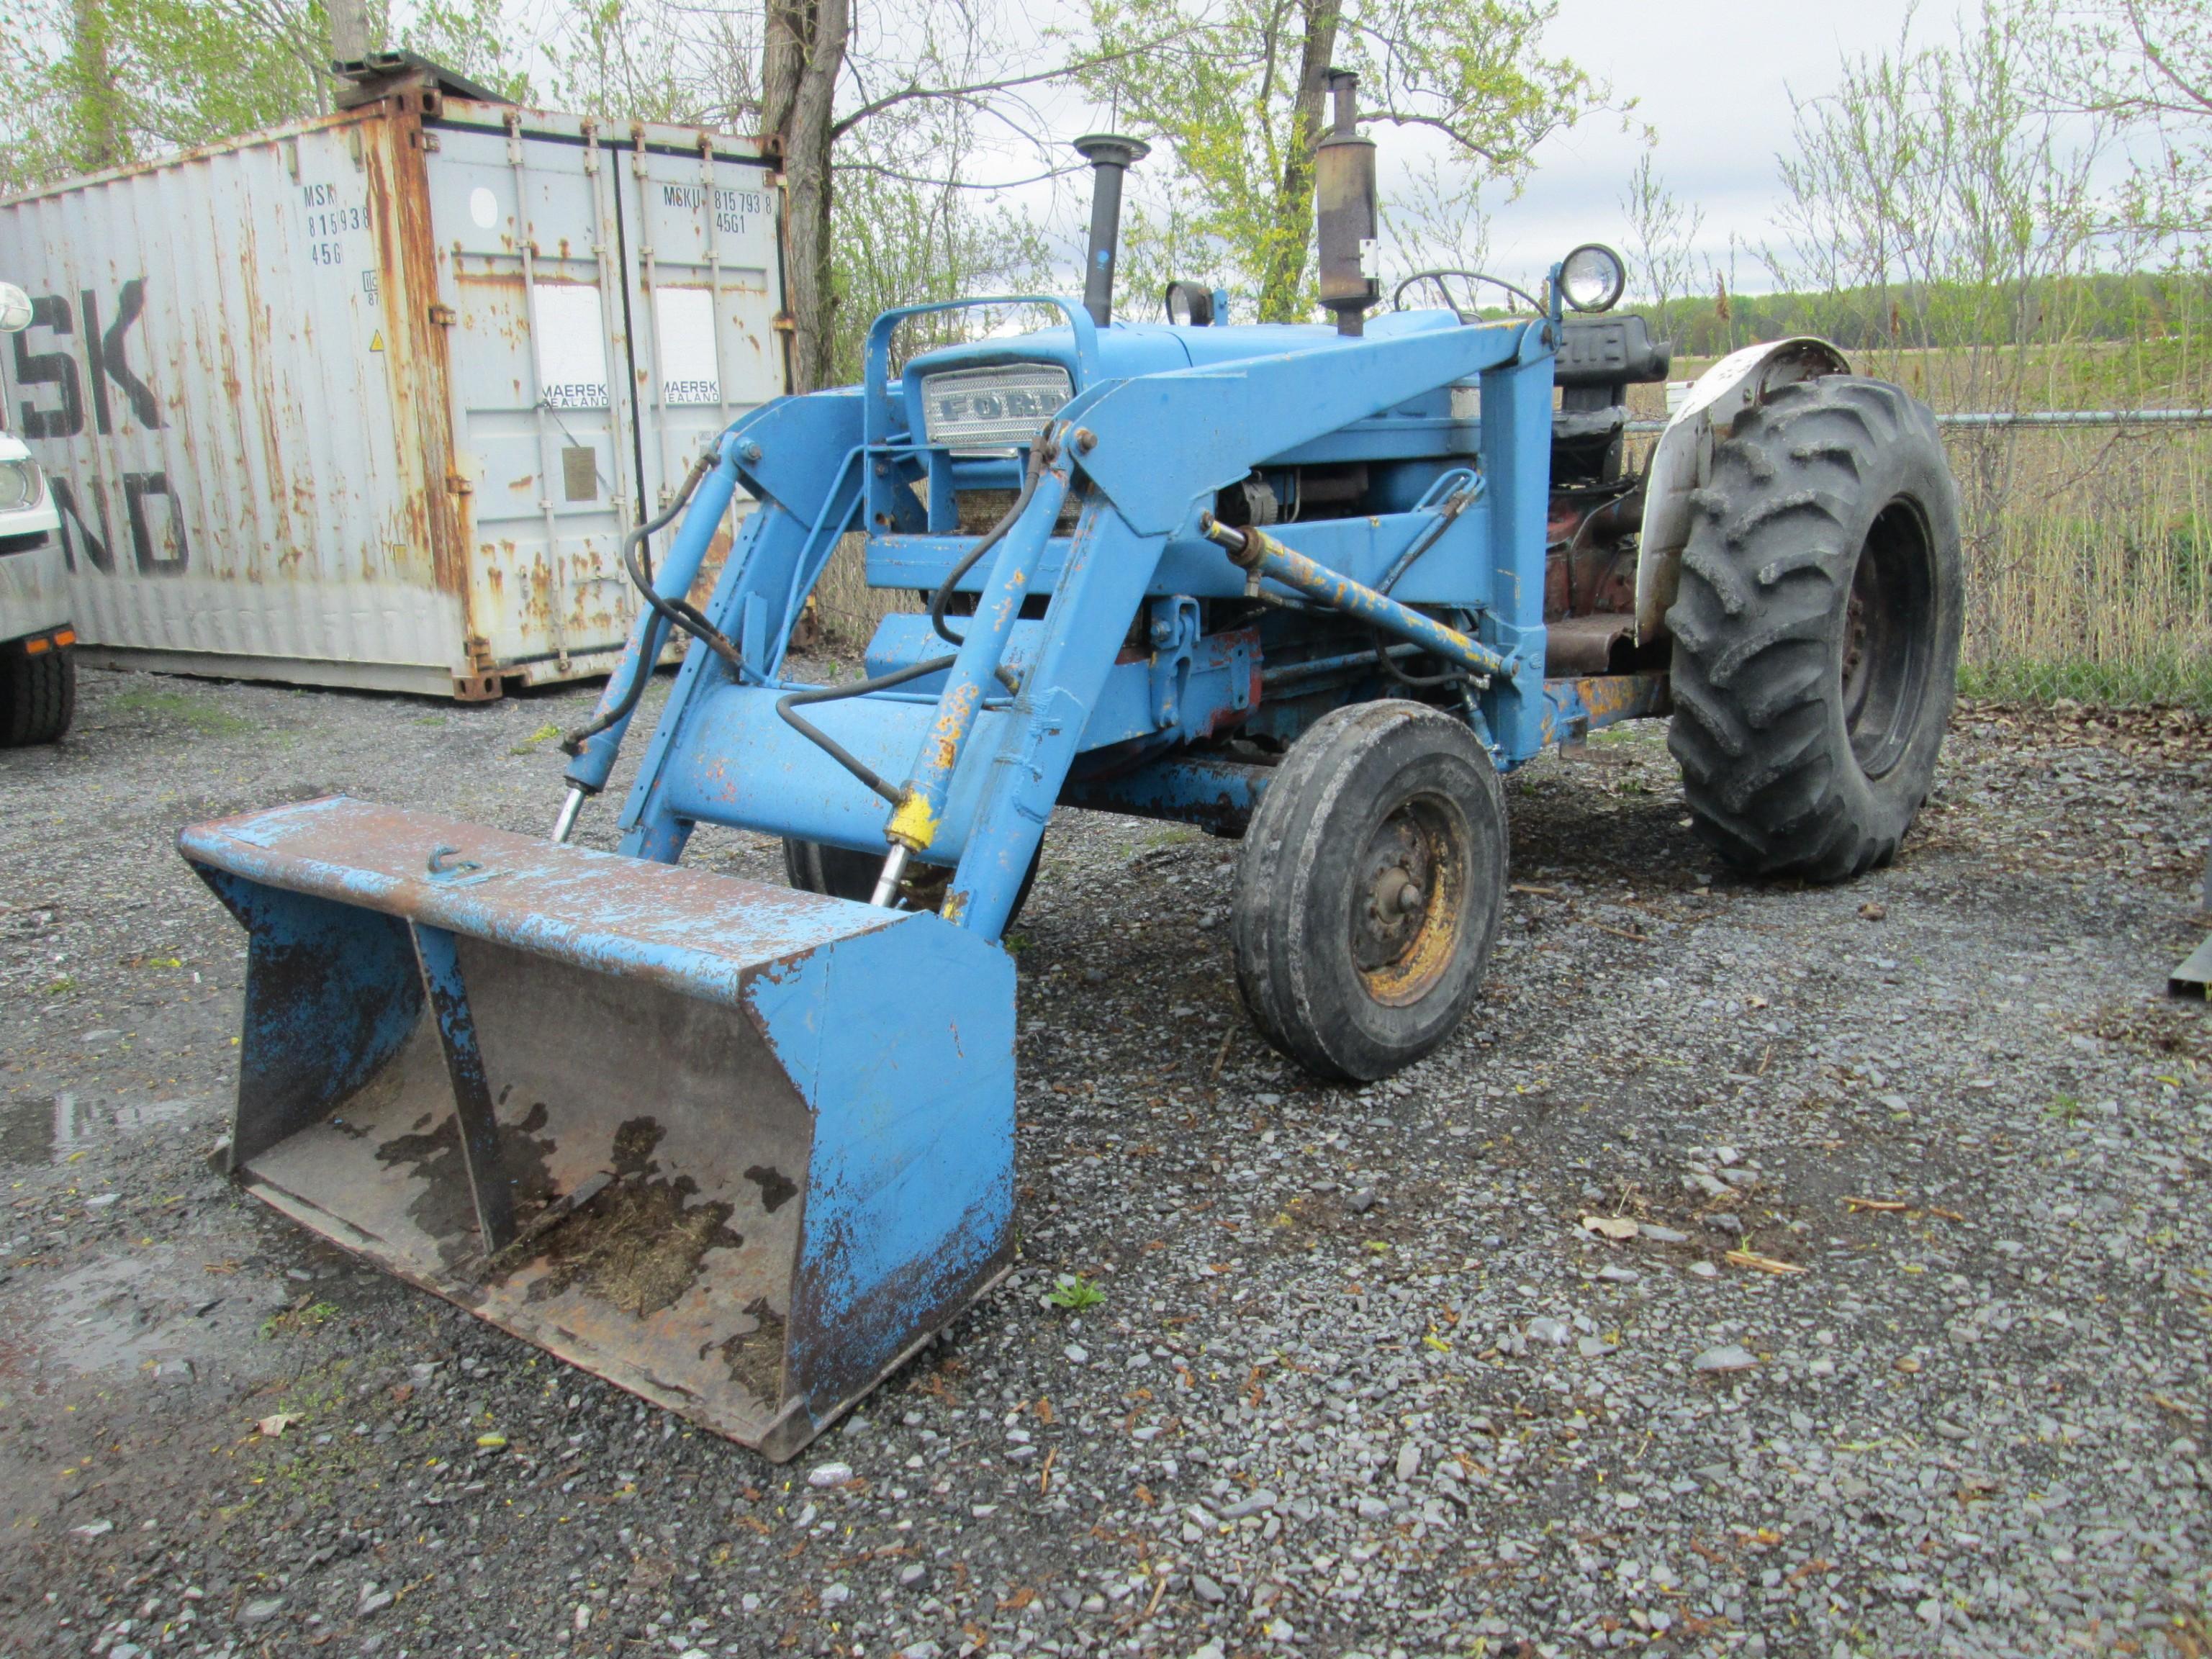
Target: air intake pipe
x=1347 y=223
x=1110 y=156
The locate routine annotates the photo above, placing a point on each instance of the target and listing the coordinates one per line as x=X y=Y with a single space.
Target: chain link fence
x=2088 y=557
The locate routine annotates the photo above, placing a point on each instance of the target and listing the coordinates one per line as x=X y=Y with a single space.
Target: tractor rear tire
x=1816 y=630
x=1370 y=888
x=37 y=694
x=814 y=866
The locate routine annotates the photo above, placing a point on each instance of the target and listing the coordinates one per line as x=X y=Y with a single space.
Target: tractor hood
x=1121 y=351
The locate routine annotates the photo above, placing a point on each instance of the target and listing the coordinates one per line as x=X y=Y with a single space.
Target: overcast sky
x=1714 y=78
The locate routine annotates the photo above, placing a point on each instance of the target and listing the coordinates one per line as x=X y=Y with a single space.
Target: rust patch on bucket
x=777 y=1188
x=638 y=1246
x=444 y=1208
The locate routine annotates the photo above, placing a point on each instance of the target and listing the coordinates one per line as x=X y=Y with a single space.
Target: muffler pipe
x=1347 y=215
x=1110 y=157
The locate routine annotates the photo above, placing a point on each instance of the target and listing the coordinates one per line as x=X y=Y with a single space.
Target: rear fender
x=1682 y=461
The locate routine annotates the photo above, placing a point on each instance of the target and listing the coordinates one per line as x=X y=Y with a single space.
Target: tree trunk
x=802 y=53
x=100 y=141
x=1282 y=282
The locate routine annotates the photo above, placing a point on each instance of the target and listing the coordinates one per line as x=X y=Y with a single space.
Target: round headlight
x=1592 y=278
x=1190 y=306
x=19 y=484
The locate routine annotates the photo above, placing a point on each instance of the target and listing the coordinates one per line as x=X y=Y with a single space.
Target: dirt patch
x=640 y=1244
x=755 y=1357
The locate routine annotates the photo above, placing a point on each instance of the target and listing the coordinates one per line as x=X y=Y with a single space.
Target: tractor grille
x=992 y=409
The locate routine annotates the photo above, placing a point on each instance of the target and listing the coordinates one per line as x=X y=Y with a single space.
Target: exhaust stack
x=1110 y=156
x=1347 y=222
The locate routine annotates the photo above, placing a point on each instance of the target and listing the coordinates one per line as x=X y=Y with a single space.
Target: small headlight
x=1190 y=306
x=19 y=484
x=1591 y=277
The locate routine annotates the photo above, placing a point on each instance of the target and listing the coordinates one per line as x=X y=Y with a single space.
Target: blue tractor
x=742 y=1148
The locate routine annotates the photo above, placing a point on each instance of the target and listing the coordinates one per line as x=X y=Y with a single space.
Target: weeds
x=202 y=716
x=1073 y=1293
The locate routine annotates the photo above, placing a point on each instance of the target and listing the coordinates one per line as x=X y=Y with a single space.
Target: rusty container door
x=372 y=400
x=581 y=391
x=232 y=380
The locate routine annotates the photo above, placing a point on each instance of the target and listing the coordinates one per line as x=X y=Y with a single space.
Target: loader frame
x=1117 y=679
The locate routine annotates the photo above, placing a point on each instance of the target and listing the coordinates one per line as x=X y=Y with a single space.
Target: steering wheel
x=1471 y=277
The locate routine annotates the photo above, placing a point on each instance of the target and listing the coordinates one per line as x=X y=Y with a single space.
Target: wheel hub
x=1404 y=903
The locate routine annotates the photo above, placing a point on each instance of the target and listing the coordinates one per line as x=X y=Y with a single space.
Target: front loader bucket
x=735 y=1148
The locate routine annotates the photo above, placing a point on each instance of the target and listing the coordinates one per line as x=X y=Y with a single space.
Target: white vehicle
x=37 y=677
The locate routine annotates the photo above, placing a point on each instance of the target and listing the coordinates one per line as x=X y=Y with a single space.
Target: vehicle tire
x=37 y=694
x=1370 y=888
x=812 y=866
x=1816 y=630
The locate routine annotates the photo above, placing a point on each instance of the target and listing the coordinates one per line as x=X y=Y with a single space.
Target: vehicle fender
x=1682 y=460
x=35 y=582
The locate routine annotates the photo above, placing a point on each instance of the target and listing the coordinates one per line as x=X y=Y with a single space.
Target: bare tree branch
x=913 y=90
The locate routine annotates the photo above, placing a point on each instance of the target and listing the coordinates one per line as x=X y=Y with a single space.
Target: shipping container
x=372 y=400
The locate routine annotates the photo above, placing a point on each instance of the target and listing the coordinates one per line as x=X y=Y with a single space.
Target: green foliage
x=653 y=60
x=2146 y=64
x=101 y=83
x=1233 y=87
x=87 y=84
x=1936 y=190
x=904 y=238
x=1073 y=1293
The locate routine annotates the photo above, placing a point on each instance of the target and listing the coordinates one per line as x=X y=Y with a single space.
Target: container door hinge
x=457 y=485
x=785 y=323
x=444 y=315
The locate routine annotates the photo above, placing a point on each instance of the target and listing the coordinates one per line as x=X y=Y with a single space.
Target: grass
x=2089 y=564
x=203 y=717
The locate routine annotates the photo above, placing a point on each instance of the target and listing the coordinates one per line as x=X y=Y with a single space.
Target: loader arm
x=1143 y=456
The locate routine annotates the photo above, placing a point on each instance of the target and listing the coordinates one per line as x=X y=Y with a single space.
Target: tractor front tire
x=1816 y=630
x=1369 y=889
x=37 y=694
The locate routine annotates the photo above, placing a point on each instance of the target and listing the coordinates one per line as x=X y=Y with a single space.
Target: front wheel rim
x=1407 y=896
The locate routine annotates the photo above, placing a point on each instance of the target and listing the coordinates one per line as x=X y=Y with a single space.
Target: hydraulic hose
x=829 y=746
x=1040 y=452
x=636 y=550
x=788 y=705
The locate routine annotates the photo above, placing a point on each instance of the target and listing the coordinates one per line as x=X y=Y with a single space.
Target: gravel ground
x=1905 y=1353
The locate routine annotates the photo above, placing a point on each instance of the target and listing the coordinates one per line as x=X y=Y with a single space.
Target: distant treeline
x=2078 y=310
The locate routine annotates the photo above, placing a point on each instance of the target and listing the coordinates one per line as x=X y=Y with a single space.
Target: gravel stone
x=1726 y=1358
